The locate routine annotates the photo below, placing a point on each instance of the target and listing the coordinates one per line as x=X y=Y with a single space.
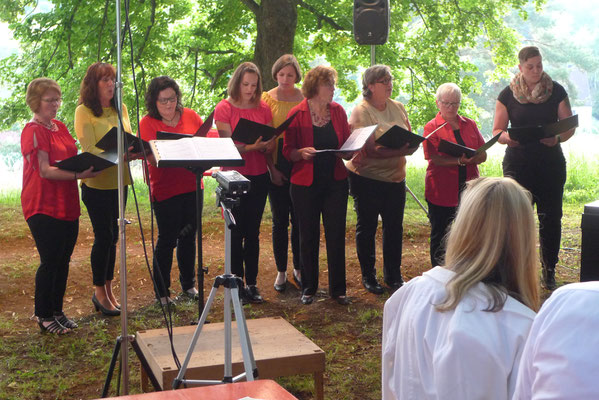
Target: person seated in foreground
x=457 y=332
x=560 y=359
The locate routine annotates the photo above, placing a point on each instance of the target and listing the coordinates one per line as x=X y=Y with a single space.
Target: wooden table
x=263 y=389
x=279 y=350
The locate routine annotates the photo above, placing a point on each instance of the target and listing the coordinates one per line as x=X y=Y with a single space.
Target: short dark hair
x=528 y=52
x=156 y=86
x=315 y=77
x=88 y=93
x=235 y=81
x=282 y=62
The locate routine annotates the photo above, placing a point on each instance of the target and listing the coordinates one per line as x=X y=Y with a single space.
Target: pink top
x=255 y=161
x=58 y=199
x=168 y=182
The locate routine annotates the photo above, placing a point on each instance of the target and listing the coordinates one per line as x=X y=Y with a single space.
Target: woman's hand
x=258 y=145
x=130 y=155
x=550 y=141
x=505 y=139
x=88 y=173
x=306 y=153
x=276 y=176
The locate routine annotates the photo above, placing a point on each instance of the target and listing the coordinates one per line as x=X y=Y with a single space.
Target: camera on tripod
x=231 y=184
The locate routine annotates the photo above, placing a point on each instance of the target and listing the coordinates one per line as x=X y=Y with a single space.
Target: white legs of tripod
x=231 y=296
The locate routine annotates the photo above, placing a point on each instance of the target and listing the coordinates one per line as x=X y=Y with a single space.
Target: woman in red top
x=50 y=201
x=245 y=91
x=446 y=175
x=173 y=189
x=319 y=180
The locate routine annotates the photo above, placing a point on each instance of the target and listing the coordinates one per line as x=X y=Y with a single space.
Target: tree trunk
x=276 y=21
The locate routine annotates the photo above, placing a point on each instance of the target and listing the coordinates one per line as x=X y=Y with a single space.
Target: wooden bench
x=279 y=350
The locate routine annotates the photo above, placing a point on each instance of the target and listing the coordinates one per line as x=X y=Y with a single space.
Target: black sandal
x=65 y=321
x=55 y=327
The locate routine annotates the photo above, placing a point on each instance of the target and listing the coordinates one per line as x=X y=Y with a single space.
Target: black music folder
x=396 y=137
x=456 y=150
x=534 y=133
x=193 y=151
x=201 y=132
x=355 y=141
x=109 y=141
x=83 y=161
x=248 y=131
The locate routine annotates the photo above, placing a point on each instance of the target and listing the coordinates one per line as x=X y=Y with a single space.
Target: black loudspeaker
x=589 y=258
x=371 y=21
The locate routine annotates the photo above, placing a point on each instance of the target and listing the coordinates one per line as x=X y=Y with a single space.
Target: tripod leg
x=146 y=366
x=228 y=375
x=246 y=347
x=195 y=338
x=115 y=355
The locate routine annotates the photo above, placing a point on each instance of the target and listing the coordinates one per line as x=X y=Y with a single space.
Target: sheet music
x=196 y=148
x=355 y=141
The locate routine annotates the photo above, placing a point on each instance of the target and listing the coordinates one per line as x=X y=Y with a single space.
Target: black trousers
x=176 y=219
x=103 y=209
x=245 y=236
x=282 y=214
x=309 y=203
x=440 y=217
x=371 y=199
x=545 y=180
x=55 y=240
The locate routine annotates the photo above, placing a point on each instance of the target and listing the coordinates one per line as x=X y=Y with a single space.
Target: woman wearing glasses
x=446 y=175
x=377 y=179
x=173 y=190
x=50 y=201
x=95 y=115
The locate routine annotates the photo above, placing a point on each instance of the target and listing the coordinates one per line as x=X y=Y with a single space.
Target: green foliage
x=200 y=42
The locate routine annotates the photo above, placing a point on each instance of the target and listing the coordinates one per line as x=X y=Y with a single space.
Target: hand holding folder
x=396 y=137
x=534 y=133
x=201 y=132
x=83 y=161
x=457 y=150
x=248 y=131
x=109 y=142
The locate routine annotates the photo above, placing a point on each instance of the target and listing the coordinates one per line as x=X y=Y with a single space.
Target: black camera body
x=231 y=186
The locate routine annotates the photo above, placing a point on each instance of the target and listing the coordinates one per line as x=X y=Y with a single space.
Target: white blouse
x=561 y=356
x=466 y=353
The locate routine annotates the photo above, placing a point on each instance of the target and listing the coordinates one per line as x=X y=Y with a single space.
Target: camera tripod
x=231 y=284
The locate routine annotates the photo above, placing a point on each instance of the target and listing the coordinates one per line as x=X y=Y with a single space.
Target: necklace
x=51 y=125
x=170 y=121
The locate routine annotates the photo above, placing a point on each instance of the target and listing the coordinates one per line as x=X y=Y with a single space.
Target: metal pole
x=372 y=55
x=121 y=191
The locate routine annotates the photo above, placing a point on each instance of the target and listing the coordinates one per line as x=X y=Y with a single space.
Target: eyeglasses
x=55 y=100
x=385 y=81
x=450 y=104
x=107 y=79
x=164 y=101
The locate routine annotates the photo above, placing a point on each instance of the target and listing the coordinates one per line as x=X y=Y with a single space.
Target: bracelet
x=461 y=164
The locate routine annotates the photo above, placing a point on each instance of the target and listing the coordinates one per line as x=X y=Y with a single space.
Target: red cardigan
x=441 y=183
x=300 y=134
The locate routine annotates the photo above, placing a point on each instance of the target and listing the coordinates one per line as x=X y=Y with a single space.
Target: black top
x=324 y=163
x=533 y=114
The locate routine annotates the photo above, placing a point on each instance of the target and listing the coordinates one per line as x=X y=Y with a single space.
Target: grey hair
x=372 y=75
x=449 y=89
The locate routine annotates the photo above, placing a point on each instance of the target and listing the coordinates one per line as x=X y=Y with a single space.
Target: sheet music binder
x=83 y=161
x=194 y=151
x=109 y=141
x=534 y=133
x=355 y=141
x=248 y=132
x=396 y=137
x=456 y=150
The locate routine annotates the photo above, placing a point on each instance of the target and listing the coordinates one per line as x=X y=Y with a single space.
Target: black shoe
x=549 y=278
x=243 y=297
x=395 y=284
x=281 y=288
x=105 y=311
x=343 y=300
x=372 y=285
x=307 y=299
x=65 y=321
x=253 y=295
x=54 y=327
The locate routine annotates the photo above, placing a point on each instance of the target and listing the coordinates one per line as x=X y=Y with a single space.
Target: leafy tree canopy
x=200 y=42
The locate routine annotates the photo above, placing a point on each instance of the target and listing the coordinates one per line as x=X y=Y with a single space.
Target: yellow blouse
x=90 y=129
x=279 y=109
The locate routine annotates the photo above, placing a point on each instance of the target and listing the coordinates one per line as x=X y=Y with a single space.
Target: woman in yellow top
x=281 y=99
x=95 y=115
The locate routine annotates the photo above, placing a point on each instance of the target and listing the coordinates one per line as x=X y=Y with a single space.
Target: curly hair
x=88 y=93
x=234 y=85
x=315 y=77
x=156 y=86
x=36 y=89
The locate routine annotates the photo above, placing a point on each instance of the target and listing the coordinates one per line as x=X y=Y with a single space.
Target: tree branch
x=147 y=34
x=252 y=5
x=421 y=16
x=214 y=78
x=205 y=51
x=321 y=17
x=102 y=25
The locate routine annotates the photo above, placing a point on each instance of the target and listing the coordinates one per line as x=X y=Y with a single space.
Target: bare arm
x=48 y=171
x=500 y=125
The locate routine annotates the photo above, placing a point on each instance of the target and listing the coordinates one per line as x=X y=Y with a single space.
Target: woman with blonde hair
x=458 y=331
